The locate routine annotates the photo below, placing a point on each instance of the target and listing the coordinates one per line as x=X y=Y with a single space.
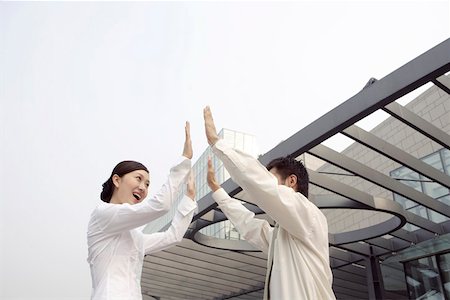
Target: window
x=423 y=279
x=439 y=160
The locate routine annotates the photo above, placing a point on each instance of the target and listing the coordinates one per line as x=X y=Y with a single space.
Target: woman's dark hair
x=287 y=166
x=121 y=169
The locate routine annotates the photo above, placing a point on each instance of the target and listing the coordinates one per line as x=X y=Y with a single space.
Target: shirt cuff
x=220 y=196
x=183 y=160
x=220 y=145
x=186 y=206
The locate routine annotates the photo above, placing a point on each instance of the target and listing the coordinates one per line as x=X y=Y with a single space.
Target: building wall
x=432 y=105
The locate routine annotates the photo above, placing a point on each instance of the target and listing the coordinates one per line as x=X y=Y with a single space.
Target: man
x=300 y=266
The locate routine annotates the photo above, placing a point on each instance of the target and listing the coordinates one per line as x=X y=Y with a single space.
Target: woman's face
x=132 y=187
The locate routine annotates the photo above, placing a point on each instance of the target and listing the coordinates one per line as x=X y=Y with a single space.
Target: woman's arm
x=113 y=218
x=162 y=240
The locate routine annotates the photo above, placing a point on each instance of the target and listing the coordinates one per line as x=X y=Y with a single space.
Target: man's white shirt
x=301 y=267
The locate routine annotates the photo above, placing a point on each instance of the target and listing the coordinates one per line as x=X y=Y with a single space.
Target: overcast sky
x=86 y=85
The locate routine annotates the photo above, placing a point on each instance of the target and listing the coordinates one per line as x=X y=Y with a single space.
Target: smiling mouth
x=137 y=196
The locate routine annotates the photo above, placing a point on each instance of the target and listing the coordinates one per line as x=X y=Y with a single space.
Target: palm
x=210 y=128
x=190 y=189
x=211 y=178
x=187 y=150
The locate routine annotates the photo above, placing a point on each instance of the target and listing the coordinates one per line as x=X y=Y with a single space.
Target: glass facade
x=439 y=160
x=426 y=266
x=224 y=230
x=423 y=279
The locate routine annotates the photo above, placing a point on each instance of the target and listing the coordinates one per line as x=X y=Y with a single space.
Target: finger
x=187 y=129
x=207 y=113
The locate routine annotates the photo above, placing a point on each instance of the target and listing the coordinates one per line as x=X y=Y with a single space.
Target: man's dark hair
x=287 y=166
x=121 y=169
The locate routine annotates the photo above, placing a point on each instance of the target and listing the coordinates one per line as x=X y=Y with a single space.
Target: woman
x=116 y=248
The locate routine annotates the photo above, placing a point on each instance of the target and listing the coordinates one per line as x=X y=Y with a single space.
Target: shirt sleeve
x=294 y=212
x=113 y=218
x=257 y=232
x=158 y=241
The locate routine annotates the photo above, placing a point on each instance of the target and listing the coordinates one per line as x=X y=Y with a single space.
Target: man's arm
x=256 y=231
x=288 y=208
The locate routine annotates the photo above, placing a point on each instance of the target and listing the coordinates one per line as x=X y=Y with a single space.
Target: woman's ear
x=116 y=180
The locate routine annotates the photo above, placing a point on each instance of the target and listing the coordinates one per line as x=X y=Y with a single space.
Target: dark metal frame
x=377 y=95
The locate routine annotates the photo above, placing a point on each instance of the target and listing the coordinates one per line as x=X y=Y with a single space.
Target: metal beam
x=352 y=269
x=402 y=157
x=392 y=244
x=378 y=178
x=424 y=68
x=421 y=125
x=361 y=249
x=372 y=203
x=431 y=64
x=443 y=83
x=374 y=278
x=244 y=292
x=345 y=255
x=338 y=273
x=359 y=291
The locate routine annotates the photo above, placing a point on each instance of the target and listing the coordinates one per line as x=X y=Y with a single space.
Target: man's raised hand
x=211 y=178
x=210 y=128
x=190 y=188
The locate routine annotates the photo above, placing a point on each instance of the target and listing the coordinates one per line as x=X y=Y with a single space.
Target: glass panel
x=445 y=199
x=410 y=227
x=444 y=265
x=222 y=230
x=249 y=144
x=405 y=202
x=408 y=177
x=433 y=189
x=437 y=217
x=228 y=136
x=420 y=211
x=434 y=160
x=446 y=156
x=394 y=277
x=423 y=280
x=239 y=141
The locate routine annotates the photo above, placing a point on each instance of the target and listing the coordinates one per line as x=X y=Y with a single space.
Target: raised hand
x=190 y=189
x=187 y=150
x=211 y=178
x=210 y=128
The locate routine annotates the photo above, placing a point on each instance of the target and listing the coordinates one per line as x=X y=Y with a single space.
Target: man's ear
x=292 y=181
x=116 y=180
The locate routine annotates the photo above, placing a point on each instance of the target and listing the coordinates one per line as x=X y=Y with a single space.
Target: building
x=386 y=198
x=425 y=264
